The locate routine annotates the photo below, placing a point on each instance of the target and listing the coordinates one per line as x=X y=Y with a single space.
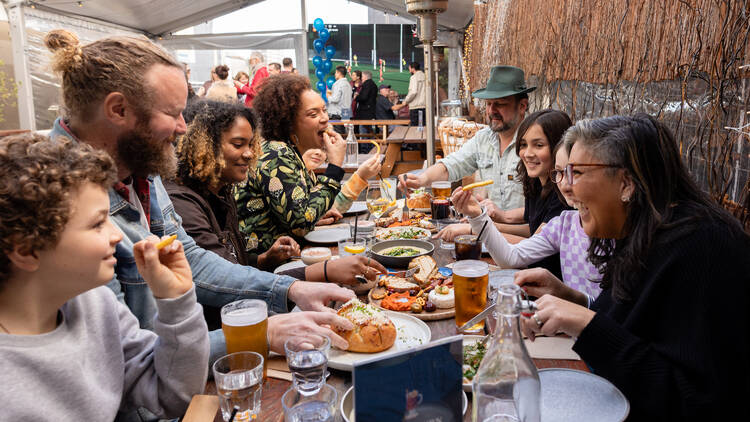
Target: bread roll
x=373 y=330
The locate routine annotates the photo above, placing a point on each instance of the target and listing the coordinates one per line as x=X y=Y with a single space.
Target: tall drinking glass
x=441 y=189
x=245 y=325
x=378 y=199
x=239 y=384
x=470 y=279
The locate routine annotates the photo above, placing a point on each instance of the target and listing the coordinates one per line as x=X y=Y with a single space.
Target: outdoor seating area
x=374 y=211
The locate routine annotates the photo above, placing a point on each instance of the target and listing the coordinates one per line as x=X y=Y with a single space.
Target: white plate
x=572 y=395
x=469 y=340
x=347 y=405
x=410 y=332
x=357 y=208
x=426 y=234
x=294 y=264
x=328 y=235
x=422 y=210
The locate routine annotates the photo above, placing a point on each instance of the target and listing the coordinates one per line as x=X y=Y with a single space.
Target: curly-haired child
x=70 y=350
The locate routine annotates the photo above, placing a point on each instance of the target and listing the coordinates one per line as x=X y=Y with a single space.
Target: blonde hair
x=114 y=64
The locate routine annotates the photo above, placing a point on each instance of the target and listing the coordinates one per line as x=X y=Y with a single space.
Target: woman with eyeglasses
x=562 y=235
x=670 y=327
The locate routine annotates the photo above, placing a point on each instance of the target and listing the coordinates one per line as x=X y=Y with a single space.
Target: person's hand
x=369 y=168
x=555 y=315
x=238 y=84
x=408 y=181
x=496 y=214
x=343 y=270
x=166 y=271
x=281 y=250
x=450 y=232
x=335 y=147
x=282 y=327
x=538 y=282
x=331 y=216
x=312 y=296
x=465 y=203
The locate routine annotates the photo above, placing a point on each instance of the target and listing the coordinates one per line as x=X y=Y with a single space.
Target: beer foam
x=243 y=317
x=470 y=269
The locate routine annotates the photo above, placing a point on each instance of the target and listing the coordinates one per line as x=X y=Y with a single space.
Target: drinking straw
x=356 y=219
x=234 y=413
x=482 y=231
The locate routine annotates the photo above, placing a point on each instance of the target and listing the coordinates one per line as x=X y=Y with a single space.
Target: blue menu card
x=414 y=385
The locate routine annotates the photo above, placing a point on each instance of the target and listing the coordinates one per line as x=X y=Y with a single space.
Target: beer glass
x=441 y=189
x=239 y=384
x=470 y=279
x=245 y=323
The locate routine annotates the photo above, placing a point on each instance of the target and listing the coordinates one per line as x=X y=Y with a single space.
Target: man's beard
x=144 y=156
x=504 y=127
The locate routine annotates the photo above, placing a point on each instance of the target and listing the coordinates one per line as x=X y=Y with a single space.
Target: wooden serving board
x=424 y=316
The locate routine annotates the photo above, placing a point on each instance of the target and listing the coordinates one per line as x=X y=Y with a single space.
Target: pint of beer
x=470 y=279
x=441 y=189
x=245 y=323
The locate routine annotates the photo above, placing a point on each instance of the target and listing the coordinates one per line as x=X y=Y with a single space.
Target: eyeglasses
x=557 y=175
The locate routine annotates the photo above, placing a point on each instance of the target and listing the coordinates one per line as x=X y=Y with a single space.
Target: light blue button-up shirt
x=482 y=153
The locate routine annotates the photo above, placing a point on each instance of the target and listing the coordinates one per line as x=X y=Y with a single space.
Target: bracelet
x=325 y=270
x=588 y=301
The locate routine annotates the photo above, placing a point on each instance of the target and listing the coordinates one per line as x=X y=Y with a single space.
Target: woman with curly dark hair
x=281 y=197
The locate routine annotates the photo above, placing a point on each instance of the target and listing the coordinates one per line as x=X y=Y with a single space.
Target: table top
x=370 y=122
x=273 y=389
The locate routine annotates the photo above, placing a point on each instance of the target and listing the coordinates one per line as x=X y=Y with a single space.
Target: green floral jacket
x=281 y=197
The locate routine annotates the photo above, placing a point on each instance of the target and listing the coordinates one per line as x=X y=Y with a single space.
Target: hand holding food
x=166 y=270
x=282 y=327
x=331 y=216
x=312 y=296
x=335 y=147
x=369 y=168
x=465 y=203
x=373 y=330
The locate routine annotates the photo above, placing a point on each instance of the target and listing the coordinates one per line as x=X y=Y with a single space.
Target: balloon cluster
x=323 y=66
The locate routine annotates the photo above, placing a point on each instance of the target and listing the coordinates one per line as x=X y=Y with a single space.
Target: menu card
x=418 y=384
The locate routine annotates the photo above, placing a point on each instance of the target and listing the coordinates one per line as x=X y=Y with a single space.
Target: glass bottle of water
x=506 y=386
x=352 y=148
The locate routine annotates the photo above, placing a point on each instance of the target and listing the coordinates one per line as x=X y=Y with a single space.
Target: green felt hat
x=504 y=81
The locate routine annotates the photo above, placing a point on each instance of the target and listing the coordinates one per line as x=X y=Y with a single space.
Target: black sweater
x=680 y=350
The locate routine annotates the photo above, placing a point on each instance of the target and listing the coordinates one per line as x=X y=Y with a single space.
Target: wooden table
x=273 y=389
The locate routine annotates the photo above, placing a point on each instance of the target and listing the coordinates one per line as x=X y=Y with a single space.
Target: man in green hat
x=492 y=150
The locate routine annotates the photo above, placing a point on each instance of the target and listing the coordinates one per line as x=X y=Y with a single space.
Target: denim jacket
x=217 y=281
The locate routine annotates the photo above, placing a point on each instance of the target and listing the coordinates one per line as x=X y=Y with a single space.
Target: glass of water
x=307 y=357
x=441 y=224
x=239 y=381
x=319 y=407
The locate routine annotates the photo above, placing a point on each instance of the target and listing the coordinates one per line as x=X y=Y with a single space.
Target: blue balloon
x=317 y=61
x=330 y=81
x=321 y=87
x=327 y=66
x=318 y=45
x=323 y=34
x=318 y=24
x=320 y=74
x=330 y=51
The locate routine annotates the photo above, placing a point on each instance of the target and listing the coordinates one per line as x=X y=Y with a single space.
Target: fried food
x=373 y=330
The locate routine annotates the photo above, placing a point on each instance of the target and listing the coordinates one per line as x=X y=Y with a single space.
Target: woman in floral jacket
x=282 y=198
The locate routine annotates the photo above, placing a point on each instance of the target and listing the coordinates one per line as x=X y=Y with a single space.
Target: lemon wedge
x=354 y=249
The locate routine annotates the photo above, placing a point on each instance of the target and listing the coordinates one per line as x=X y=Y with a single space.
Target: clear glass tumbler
x=239 y=384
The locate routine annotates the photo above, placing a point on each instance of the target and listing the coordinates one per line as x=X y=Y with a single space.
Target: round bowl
x=399 y=261
x=312 y=255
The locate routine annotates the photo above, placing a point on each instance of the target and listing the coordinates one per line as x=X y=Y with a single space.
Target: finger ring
x=538 y=322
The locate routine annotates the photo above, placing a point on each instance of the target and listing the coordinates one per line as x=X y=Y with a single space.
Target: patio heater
x=427 y=11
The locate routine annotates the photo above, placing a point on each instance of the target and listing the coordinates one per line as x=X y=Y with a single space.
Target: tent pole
x=303 y=67
x=22 y=76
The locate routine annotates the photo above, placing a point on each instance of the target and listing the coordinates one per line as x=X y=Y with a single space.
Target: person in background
x=401 y=113
x=383 y=106
x=340 y=99
x=222 y=89
x=191 y=91
x=356 y=87
x=61 y=330
x=662 y=330
x=221 y=144
x=207 y=85
x=492 y=150
x=243 y=78
x=274 y=69
x=314 y=158
x=366 y=100
x=280 y=197
x=416 y=98
x=136 y=117
x=288 y=67
x=258 y=73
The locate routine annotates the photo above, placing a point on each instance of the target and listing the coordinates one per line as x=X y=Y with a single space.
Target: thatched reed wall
x=676 y=59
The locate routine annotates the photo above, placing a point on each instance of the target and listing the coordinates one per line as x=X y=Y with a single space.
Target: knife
x=480 y=316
